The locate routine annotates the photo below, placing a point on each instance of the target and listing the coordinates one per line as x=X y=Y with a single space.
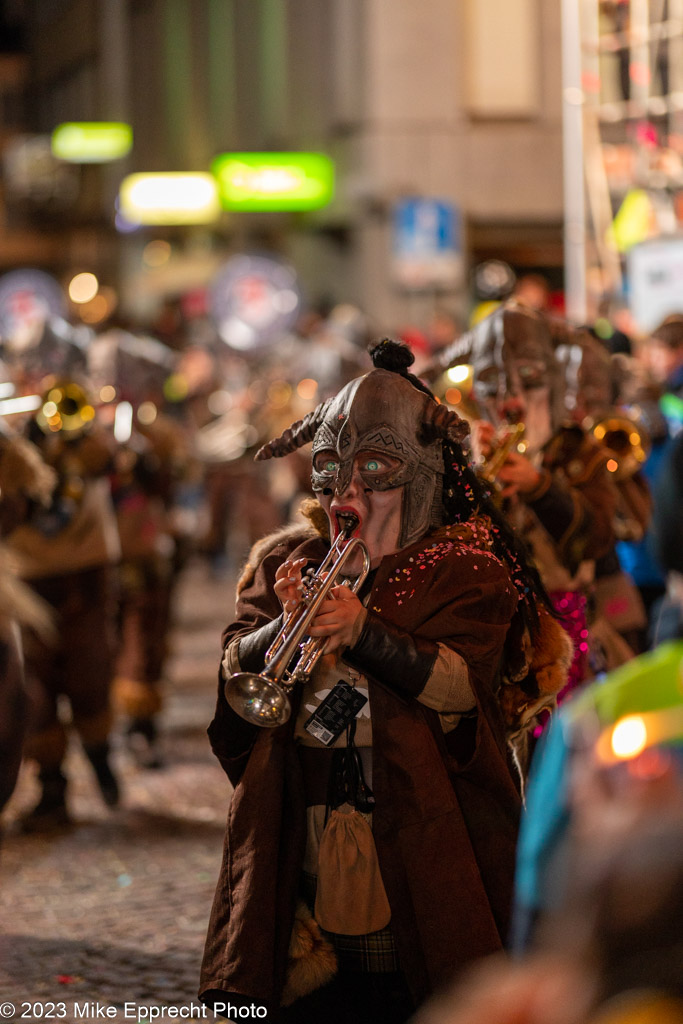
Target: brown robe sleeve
x=13 y=710
x=257 y=605
x=464 y=601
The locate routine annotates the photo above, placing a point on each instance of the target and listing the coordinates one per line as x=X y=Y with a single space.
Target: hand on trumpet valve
x=511 y=475
x=517 y=476
x=289 y=586
x=482 y=439
x=337 y=618
x=337 y=614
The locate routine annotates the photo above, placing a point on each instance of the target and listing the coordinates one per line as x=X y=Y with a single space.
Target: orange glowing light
x=629 y=737
x=307 y=389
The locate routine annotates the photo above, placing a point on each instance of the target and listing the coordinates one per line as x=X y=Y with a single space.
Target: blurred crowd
x=125 y=452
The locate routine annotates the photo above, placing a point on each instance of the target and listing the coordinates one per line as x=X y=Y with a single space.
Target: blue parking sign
x=427 y=247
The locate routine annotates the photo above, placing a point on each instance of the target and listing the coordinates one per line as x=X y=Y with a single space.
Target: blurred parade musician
x=450 y=640
x=22 y=470
x=591 y=401
x=663 y=354
x=637 y=396
x=142 y=490
x=226 y=398
x=67 y=553
x=49 y=347
x=556 y=491
x=150 y=461
x=259 y=392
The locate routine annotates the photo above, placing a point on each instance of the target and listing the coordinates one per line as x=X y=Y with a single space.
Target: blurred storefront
x=459 y=103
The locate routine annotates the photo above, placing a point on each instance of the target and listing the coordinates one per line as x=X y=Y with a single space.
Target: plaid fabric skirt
x=372 y=954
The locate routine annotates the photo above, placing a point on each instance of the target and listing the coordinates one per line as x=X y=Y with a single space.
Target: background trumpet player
x=559 y=495
x=394 y=823
x=66 y=550
x=591 y=399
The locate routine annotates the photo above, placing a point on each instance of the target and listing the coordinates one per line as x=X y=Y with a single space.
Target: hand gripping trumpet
x=263 y=698
x=506 y=440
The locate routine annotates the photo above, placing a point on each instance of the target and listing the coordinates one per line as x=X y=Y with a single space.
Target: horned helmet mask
x=384 y=412
x=588 y=372
x=510 y=352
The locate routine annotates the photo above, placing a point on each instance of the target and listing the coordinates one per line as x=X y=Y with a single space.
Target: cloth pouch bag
x=350 y=896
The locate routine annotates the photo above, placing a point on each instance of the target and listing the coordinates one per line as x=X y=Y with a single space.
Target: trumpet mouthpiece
x=348 y=523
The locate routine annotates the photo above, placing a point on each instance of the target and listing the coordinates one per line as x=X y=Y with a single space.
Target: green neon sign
x=274 y=181
x=92 y=142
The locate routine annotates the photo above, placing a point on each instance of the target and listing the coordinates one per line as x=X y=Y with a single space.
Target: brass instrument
x=509 y=438
x=628 y=444
x=64 y=415
x=65 y=408
x=262 y=698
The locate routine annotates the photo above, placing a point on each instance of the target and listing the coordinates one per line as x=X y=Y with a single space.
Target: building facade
x=455 y=100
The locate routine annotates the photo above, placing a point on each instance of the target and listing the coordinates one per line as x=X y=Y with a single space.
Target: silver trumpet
x=263 y=698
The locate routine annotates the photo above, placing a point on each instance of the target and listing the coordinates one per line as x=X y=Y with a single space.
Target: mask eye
x=325 y=462
x=376 y=464
x=532 y=374
x=487 y=382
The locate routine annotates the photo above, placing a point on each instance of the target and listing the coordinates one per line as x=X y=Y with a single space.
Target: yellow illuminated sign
x=92 y=142
x=274 y=181
x=169 y=198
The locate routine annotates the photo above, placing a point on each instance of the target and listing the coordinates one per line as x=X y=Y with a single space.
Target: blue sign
x=427 y=244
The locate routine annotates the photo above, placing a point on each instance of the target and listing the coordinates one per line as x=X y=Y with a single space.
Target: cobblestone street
x=114 y=910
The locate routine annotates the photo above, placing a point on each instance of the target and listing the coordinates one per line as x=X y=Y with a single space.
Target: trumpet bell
x=65 y=408
x=257 y=699
x=627 y=442
x=263 y=699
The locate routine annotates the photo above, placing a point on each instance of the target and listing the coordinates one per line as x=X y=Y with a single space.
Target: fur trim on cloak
x=311 y=962
x=535 y=670
x=312 y=511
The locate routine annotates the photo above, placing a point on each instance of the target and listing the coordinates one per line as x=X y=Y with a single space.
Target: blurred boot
x=98 y=755
x=142 y=736
x=50 y=811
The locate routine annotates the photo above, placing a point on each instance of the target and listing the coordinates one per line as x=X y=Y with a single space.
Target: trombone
x=263 y=698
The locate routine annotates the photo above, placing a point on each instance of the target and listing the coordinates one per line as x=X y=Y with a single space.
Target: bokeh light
x=83 y=288
x=629 y=737
x=156 y=253
x=307 y=389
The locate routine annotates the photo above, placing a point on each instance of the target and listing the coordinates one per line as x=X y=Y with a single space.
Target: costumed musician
x=151 y=458
x=371 y=837
x=557 y=492
x=143 y=482
x=66 y=549
x=618 y=616
x=22 y=471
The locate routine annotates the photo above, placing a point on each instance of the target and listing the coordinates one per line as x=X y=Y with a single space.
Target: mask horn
x=440 y=422
x=296 y=436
